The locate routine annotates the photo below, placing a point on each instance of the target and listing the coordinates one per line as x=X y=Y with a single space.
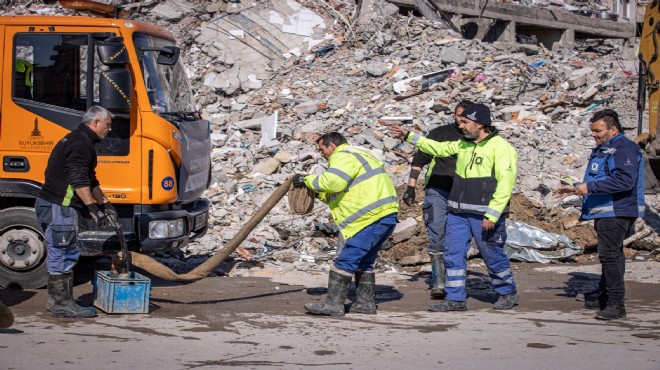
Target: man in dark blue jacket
x=70 y=187
x=613 y=196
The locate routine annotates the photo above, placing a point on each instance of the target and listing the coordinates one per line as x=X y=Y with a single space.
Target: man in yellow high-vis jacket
x=478 y=204
x=364 y=205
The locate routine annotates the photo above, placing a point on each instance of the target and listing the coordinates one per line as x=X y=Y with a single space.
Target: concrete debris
x=267 y=110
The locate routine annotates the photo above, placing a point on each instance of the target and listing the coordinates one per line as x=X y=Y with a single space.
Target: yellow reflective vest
x=356 y=187
x=485 y=173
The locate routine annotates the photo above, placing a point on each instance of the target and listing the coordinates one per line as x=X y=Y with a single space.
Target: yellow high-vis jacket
x=356 y=187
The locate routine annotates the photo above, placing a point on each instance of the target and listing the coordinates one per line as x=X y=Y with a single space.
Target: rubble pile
x=271 y=75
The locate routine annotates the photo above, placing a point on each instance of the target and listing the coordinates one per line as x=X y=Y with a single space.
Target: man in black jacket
x=71 y=186
x=438 y=182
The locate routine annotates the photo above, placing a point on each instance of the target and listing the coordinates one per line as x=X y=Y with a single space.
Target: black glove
x=409 y=195
x=110 y=212
x=100 y=218
x=298 y=181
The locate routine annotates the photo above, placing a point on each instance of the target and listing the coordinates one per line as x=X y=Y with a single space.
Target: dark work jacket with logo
x=72 y=165
x=440 y=173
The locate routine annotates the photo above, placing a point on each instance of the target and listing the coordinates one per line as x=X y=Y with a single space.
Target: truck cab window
x=52 y=69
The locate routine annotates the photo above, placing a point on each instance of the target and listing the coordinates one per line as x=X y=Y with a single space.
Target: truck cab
x=153 y=166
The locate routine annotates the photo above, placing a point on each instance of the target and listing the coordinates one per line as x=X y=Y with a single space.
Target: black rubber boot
x=334 y=301
x=613 y=311
x=6 y=317
x=365 y=293
x=50 y=302
x=438 y=276
x=60 y=288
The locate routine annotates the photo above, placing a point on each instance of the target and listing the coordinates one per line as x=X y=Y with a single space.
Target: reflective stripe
x=502 y=282
x=355 y=216
x=344 y=176
x=366 y=176
x=317 y=187
x=475 y=207
x=502 y=274
x=642 y=208
x=415 y=138
x=454 y=283
x=456 y=272
x=361 y=159
x=493 y=212
x=597 y=210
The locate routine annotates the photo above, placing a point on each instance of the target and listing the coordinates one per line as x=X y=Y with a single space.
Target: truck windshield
x=167 y=85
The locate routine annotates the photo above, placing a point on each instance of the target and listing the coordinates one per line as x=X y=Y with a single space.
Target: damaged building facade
x=554 y=24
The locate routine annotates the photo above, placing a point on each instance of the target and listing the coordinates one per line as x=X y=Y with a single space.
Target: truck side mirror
x=115 y=90
x=113 y=53
x=167 y=55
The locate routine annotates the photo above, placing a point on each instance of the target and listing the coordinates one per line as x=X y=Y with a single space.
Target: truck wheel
x=22 y=250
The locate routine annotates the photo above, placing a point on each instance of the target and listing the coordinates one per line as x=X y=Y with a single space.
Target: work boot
x=6 y=317
x=448 y=305
x=334 y=302
x=506 y=302
x=50 y=302
x=60 y=288
x=595 y=300
x=438 y=276
x=365 y=293
x=613 y=311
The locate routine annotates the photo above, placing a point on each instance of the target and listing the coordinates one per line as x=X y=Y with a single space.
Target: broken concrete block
x=360 y=54
x=377 y=69
x=306 y=108
x=453 y=54
x=404 y=230
x=579 y=77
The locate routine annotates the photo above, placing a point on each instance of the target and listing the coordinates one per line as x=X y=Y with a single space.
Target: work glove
x=100 y=218
x=111 y=213
x=409 y=195
x=298 y=181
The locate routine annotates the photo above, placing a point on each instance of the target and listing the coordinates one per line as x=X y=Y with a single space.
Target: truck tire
x=22 y=250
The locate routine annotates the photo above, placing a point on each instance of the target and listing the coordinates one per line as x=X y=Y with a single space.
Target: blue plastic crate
x=121 y=295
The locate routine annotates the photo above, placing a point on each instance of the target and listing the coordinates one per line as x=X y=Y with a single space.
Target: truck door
x=54 y=74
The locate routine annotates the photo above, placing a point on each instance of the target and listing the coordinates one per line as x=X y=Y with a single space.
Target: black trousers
x=611 y=233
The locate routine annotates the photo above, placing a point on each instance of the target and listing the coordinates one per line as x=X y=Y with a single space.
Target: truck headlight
x=163 y=229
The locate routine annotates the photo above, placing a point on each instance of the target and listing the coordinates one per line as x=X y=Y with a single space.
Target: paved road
x=223 y=322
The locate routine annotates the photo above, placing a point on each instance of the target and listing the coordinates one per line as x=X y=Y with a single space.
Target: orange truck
x=154 y=165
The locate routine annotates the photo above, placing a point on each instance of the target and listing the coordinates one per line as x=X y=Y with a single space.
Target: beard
x=470 y=135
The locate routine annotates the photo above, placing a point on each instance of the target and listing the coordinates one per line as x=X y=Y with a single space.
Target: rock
x=404 y=230
x=377 y=69
x=453 y=54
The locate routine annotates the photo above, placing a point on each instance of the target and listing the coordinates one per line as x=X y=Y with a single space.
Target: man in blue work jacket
x=613 y=196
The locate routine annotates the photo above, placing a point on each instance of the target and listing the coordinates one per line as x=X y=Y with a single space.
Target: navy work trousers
x=360 y=251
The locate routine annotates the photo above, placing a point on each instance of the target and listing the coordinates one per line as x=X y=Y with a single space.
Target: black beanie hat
x=478 y=113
